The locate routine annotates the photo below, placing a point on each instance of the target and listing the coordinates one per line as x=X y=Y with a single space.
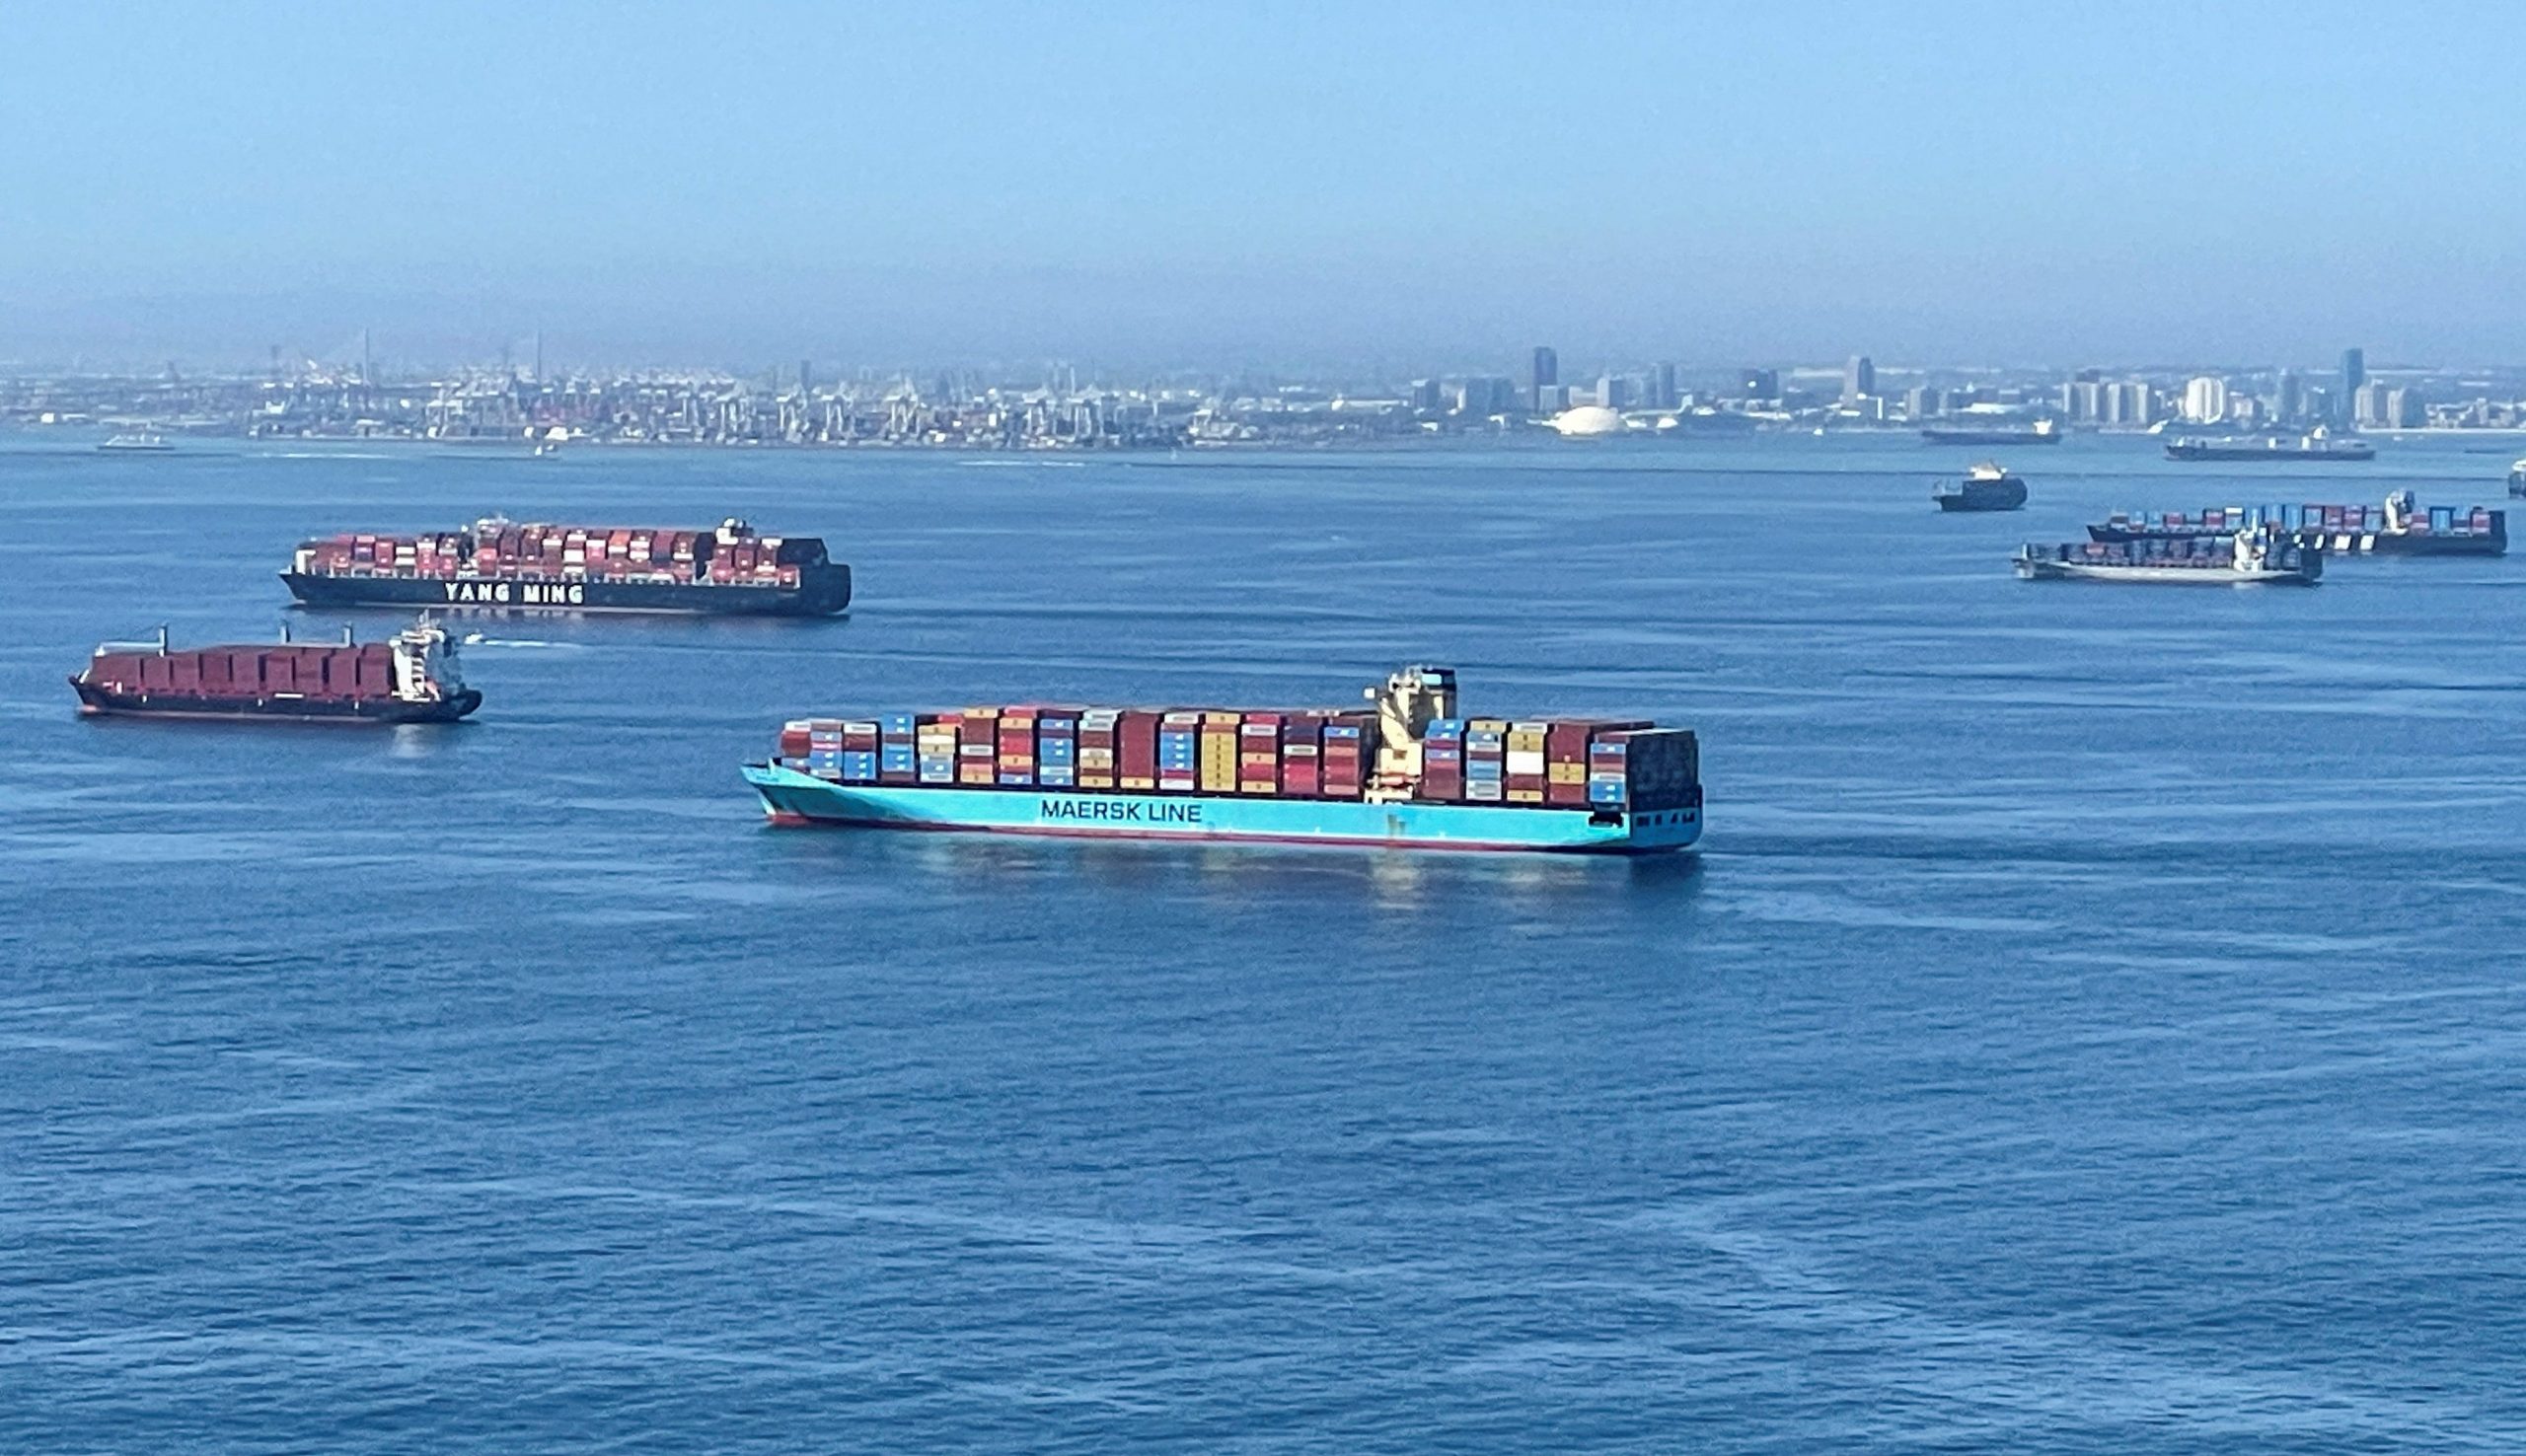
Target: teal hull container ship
x=1410 y=774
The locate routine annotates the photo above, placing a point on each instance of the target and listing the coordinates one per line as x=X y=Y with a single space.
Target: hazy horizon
x=1153 y=188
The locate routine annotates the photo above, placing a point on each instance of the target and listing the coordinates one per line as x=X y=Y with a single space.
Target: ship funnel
x=162 y=640
x=347 y=634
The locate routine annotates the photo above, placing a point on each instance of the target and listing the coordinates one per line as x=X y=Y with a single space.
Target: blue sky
x=1419 y=186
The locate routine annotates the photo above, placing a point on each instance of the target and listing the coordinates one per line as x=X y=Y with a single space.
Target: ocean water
x=2094 y=1021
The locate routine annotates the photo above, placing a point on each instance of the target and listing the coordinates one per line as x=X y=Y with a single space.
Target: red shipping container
x=183 y=672
x=214 y=672
x=155 y=675
x=1135 y=745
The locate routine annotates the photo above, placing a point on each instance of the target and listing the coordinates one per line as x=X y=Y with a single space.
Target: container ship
x=2040 y=432
x=1408 y=774
x=1985 y=487
x=411 y=679
x=2256 y=557
x=2399 y=527
x=500 y=565
x=2312 y=450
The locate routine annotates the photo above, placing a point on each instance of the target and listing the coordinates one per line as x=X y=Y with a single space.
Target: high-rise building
x=1613 y=390
x=2405 y=409
x=2373 y=402
x=806 y=374
x=1425 y=396
x=1859 y=379
x=2205 y=399
x=1760 y=383
x=1662 y=388
x=2288 y=399
x=1546 y=374
x=1924 y=402
x=2354 y=378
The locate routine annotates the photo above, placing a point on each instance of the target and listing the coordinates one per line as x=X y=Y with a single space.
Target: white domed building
x=1588 y=422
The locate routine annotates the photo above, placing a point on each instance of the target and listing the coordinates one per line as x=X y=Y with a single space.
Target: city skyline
x=1153 y=186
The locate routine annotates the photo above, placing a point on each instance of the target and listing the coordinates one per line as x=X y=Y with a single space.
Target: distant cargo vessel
x=412 y=679
x=137 y=442
x=2398 y=527
x=1410 y=774
x=1985 y=487
x=2040 y=432
x=500 y=565
x=2271 y=449
x=2257 y=556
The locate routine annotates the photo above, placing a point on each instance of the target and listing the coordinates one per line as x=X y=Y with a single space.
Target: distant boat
x=138 y=442
x=2518 y=478
x=1985 y=487
x=2040 y=432
x=2314 y=449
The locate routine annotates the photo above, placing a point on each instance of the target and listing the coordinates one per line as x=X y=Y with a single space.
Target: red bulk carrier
x=412 y=679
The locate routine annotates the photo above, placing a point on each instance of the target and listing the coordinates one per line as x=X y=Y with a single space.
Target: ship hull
x=99 y=702
x=1991 y=437
x=2250 y=454
x=1991 y=501
x=825 y=592
x=792 y=799
x=2161 y=576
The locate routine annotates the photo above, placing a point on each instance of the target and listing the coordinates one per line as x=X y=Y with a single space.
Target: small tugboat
x=137 y=442
x=2399 y=527
x=412 y=679
x=2256 y=557
x=1985 y=487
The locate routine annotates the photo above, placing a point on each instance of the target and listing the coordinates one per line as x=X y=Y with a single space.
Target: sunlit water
x=2094 y=1021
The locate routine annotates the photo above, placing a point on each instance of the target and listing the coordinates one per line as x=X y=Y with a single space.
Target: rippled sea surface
x=2094 y=1021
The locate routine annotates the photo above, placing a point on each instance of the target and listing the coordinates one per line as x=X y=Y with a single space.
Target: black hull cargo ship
x=498 y=565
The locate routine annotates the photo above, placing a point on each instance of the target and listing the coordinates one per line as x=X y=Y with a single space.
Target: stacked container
x=1258 y=754
x=1016 y=740
x=1179 y=736
x=1524 y=766
x=1443 y=760
x=1057 y=749
x=934 y=749
x=1344 y=758
x=1486 y=760
x=1302 y=756
x=1099 y=730
x=977 y=736
x=898 y=749
x=1218 y=752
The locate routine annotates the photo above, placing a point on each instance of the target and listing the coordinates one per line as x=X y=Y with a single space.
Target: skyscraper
x=1859 y=379
x=2354 y=375
x=1662 y=388
x=1761 y=384
x=2289 y=403
x=1547 y=373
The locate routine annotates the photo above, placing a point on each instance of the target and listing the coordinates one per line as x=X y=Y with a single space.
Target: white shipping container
x=1526 y=760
